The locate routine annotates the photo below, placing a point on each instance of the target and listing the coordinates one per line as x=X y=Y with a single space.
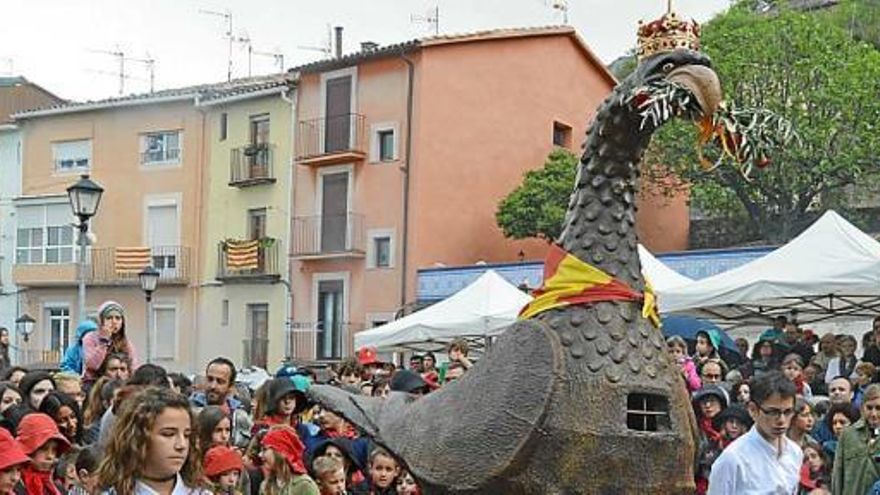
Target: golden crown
x=666 y=34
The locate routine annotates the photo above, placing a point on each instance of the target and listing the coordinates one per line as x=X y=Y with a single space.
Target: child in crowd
x=707 y=345
x=223 y=467
x=65 y=476
x=12 y=459
x=330 y=474
x=384 y=472
x=406 y=485
x=678 y=350
x=793 y=369
x=39 y=436
x=864 y=377
x=86 y=472
x=282 y=457
x=815 y=476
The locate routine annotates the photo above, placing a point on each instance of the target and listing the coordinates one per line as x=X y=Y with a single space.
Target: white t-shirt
x=753 y=466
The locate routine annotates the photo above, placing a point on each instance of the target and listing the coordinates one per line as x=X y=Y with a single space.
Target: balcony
x=331 y=140
x=248 y=261
x=309 y=342
x=252 y=165
x=112 y=266
x=328 y=236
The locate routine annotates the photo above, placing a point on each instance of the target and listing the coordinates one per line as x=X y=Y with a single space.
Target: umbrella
x=687 y=327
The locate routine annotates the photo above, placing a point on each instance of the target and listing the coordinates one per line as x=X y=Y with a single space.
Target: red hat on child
x=222 y=459
x=367 y=356
x=11 y=453
x=36 y=429
x=285 y=442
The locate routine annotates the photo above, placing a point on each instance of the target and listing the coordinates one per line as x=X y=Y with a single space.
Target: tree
x=536 y=208
x=813 y=73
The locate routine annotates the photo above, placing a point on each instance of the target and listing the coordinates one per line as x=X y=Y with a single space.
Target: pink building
x=402 y=155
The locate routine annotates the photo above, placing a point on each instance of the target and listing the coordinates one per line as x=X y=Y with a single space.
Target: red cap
x=222 y=459
x=285 y=442
x=367 y=356
x=36 y=429
x=11 y=452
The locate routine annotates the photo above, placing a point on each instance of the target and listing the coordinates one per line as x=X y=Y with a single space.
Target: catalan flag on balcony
x=132 y=259
x=242 y=255
x=568 y=280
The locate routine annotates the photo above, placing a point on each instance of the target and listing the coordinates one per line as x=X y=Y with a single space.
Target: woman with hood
x=110 y=338
x=5 y=362
x=708 y=343
x=764 y=356
x=73 y=357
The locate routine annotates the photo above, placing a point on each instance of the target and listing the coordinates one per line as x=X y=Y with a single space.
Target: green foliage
x=810 y=71
x=536 y=208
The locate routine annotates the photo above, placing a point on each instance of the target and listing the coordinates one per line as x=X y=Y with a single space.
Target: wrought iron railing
x=311 y=341
x=253 y=164
x=331 y=135
x=265 y=264
x=328 y=234
x=172 y=262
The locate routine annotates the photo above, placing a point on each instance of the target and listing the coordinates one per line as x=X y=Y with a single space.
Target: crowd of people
x=105 y=424
x=798 y=414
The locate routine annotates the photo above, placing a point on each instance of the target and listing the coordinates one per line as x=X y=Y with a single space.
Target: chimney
x=338 y=30
x=369 y=46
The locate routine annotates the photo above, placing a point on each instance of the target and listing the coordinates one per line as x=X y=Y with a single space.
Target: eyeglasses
x=777 y=413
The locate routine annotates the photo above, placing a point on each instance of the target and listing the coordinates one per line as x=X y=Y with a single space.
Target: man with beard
x=219 y=384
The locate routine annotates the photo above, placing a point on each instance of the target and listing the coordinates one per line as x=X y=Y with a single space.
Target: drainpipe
x=288 y=317
x=404 y=265
x=194 y=261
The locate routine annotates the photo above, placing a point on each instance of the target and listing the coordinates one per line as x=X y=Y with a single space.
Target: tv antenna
x=277 y=56
x=431 y=18
x=327 y=49
x=227 y=15
x=148 y=61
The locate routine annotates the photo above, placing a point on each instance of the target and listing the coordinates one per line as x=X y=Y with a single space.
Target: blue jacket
x=73 y=359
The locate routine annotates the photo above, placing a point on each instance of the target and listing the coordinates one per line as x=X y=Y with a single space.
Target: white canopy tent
x=483 y=308
x=831 y=270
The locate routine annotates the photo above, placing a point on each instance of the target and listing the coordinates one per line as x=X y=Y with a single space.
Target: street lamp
x=84 y=198
x=149 y=278
x=25 y=325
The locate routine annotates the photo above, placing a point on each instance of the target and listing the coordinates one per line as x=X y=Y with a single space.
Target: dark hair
x=734 y=392
x=350 y=367
x=182 y=383
x=30 y=380
x=120 y=356
x=52 y=404
x=770 y=383
x=4 y=386
x=13 y=416
x=8 y=372
x=207 y=420
x=150 y=375
x=378 y=383
x=87 y=460
x=416 y=357
x=846 y=409
x=225 y=362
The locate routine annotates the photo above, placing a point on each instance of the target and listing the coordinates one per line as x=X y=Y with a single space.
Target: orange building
x=403 y=153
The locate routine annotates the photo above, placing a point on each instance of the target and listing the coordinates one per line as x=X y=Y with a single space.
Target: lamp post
x=25 y=326
x=149 y=278
x=84 y=198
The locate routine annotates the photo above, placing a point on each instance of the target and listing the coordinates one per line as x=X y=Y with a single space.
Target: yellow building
x=244 y=298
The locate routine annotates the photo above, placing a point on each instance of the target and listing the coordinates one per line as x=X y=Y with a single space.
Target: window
x=223 y=124
x=164 y=331
x=257 y=345
x=383 y=251
x=647 y=412
x=160 y=147
x=257 y=223
x=162 y=236
x=59 y=328
x=383 y=143
x=72 y=156
x=380 y=248
x=45 y=234
x=386 y=145
x=561 y=135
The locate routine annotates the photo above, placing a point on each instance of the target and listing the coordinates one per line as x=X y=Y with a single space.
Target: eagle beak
x=702 y=82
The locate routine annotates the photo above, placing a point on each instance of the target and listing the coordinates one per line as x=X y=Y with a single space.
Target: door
x=257 y=347
x=162 y=238
x=330 y=325
x=257 y=230
x=258 y=161
x=59 y=329
x=334 y=212
x=338 y=114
